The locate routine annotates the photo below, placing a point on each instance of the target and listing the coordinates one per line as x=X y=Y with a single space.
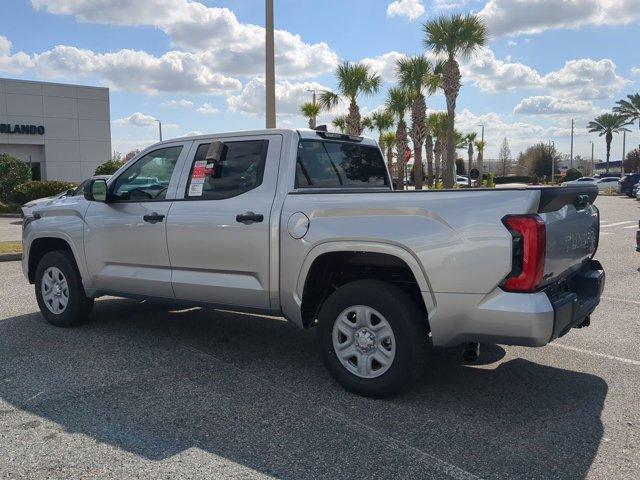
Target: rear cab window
x=339 y=165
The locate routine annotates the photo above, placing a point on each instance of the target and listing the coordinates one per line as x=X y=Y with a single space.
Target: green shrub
x=13 y=172
x=513 y=179
x=9 y=208
x=489 y=182
x=31 y=190
x=109 y=167
x=572 y=174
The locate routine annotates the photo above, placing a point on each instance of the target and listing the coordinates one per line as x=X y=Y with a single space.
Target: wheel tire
x=410 y=332
x=78 y=307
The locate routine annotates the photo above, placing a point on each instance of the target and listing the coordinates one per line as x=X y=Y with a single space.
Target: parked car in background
x=627 y=182
x=580 y=181
x=27 y=208
x=305 y=225
x=607 y=183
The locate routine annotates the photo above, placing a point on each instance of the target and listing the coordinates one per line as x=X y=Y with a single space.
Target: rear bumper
x=527 y=319
x=575 y=298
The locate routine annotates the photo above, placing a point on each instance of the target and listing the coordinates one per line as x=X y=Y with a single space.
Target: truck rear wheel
x=59 y=290
x=373 y=337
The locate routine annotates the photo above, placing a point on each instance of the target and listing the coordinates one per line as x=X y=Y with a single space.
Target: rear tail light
x=529 y=250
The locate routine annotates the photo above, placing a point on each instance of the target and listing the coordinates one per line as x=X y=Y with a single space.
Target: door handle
x=153 y=218
x=249 y=217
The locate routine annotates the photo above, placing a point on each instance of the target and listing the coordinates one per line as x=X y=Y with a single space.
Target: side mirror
x=70 y=192
x=96 y=190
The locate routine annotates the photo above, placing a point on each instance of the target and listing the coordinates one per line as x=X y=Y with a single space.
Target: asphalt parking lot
x=10 y=229
x=155 y=391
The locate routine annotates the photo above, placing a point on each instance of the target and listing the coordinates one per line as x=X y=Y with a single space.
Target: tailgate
x=572 y=229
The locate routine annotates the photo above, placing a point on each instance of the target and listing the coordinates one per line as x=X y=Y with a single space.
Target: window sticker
x=195 y=190
x=197 y=178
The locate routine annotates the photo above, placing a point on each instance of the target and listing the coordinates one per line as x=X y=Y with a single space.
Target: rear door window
x=325 y=164
x=240 y=170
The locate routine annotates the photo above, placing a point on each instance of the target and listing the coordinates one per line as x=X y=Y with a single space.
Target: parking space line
x=441 y=466
x=617 y=223
x=635 y=302
x=631 y=226
x=597 y=354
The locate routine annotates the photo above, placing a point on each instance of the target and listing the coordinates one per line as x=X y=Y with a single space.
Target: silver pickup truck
x=305 y=224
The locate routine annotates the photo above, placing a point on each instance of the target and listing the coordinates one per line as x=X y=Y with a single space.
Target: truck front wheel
x=374 y=339
x=59 y=290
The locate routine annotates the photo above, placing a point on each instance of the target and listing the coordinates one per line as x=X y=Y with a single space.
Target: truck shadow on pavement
x=157 y=380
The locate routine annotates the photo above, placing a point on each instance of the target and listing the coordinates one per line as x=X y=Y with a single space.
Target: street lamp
x=593 y=165
x=270 y=68
x=159 y=128
x=313 y=90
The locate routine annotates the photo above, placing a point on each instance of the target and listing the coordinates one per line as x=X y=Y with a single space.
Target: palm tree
x=454 y=36
x=470 y=139
x=607 y=124
x=414 y=75
x=630 y=109
x=438 y=127
x=354 y=79
x=311 y=111
x=480 y=144
x=380 y=121
x=398 y=103
x=340 y=122
x=388 y=139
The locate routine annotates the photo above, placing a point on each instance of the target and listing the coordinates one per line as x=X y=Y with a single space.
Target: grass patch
x=10 y=247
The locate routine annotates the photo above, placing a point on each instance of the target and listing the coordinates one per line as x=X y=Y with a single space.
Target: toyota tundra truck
x=305 y=225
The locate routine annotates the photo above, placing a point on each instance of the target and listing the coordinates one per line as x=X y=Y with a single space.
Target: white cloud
x=520 y=134
x=192 y=133
x=385 y=64
x=136 y=119
x=130 y=70
x=227 y=46
x=548 y=105
x=512 y=44
x=207 y=109
x=491 y=74
x=178 y=103
x=511 y=17
x=449 y=4
x=582 y=79
x=586 y=79
x=412 y=9
x=635 y=70
x=289 y=97
x=139 y=119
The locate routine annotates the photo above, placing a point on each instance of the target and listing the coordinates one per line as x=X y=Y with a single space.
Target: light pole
x=481 y=152
x=270 y=73
x=313 y=90
x=552 y=147
x=159 y=128
x=624 y=147
x=593 y=165
x=571 y=155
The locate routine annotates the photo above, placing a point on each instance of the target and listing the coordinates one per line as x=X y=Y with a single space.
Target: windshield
x=327 y=164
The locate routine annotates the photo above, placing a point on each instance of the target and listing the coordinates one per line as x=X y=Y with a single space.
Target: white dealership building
x=63 y=131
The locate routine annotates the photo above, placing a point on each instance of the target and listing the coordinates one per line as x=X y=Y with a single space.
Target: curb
x=10 y=257
x=10 y=215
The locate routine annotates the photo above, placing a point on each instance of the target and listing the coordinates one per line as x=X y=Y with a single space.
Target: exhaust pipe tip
x=471 y=352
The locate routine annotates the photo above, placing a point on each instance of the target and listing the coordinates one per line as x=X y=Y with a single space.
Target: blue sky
x=198 y=65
